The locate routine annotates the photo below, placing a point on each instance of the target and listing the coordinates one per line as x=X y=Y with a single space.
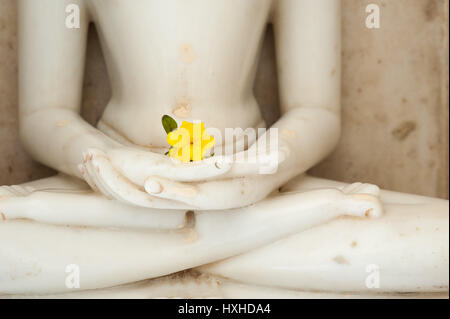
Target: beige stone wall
x=394 y=97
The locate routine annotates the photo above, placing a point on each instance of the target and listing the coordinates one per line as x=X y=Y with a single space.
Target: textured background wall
x=394 y=97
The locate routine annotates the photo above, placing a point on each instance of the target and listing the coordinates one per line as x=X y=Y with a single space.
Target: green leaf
x=166 y=153
x=169 y=123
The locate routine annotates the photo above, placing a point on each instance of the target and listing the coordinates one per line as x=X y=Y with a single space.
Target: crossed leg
x=34 y=254
x=406 y=250
x=407 y=247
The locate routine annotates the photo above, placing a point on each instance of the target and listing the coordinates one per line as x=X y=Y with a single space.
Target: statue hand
x=137 y=165
x=154 y=180
x=121 y=173
x=99 y=173
x=245 y=183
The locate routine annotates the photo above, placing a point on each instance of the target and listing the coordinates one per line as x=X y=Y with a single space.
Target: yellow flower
x=189 y=142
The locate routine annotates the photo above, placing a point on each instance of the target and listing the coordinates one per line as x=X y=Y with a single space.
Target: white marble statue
x=121 y=211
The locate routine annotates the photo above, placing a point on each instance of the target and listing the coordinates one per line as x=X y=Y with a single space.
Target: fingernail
x=153 y=187
x=222 y=163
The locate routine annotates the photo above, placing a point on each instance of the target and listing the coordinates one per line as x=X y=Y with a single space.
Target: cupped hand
x=137 y=165
x=249 y=178
x=121 y=173
x=98 y=171
x=150 y=179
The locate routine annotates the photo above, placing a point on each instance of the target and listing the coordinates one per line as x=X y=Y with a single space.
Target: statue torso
x=194 y=59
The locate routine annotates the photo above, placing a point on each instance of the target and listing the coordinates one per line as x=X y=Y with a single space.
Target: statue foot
x=404 y=251
x=15 y=190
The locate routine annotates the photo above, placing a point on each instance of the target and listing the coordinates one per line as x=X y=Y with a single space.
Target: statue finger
x=138 y=165
x=120 y=188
